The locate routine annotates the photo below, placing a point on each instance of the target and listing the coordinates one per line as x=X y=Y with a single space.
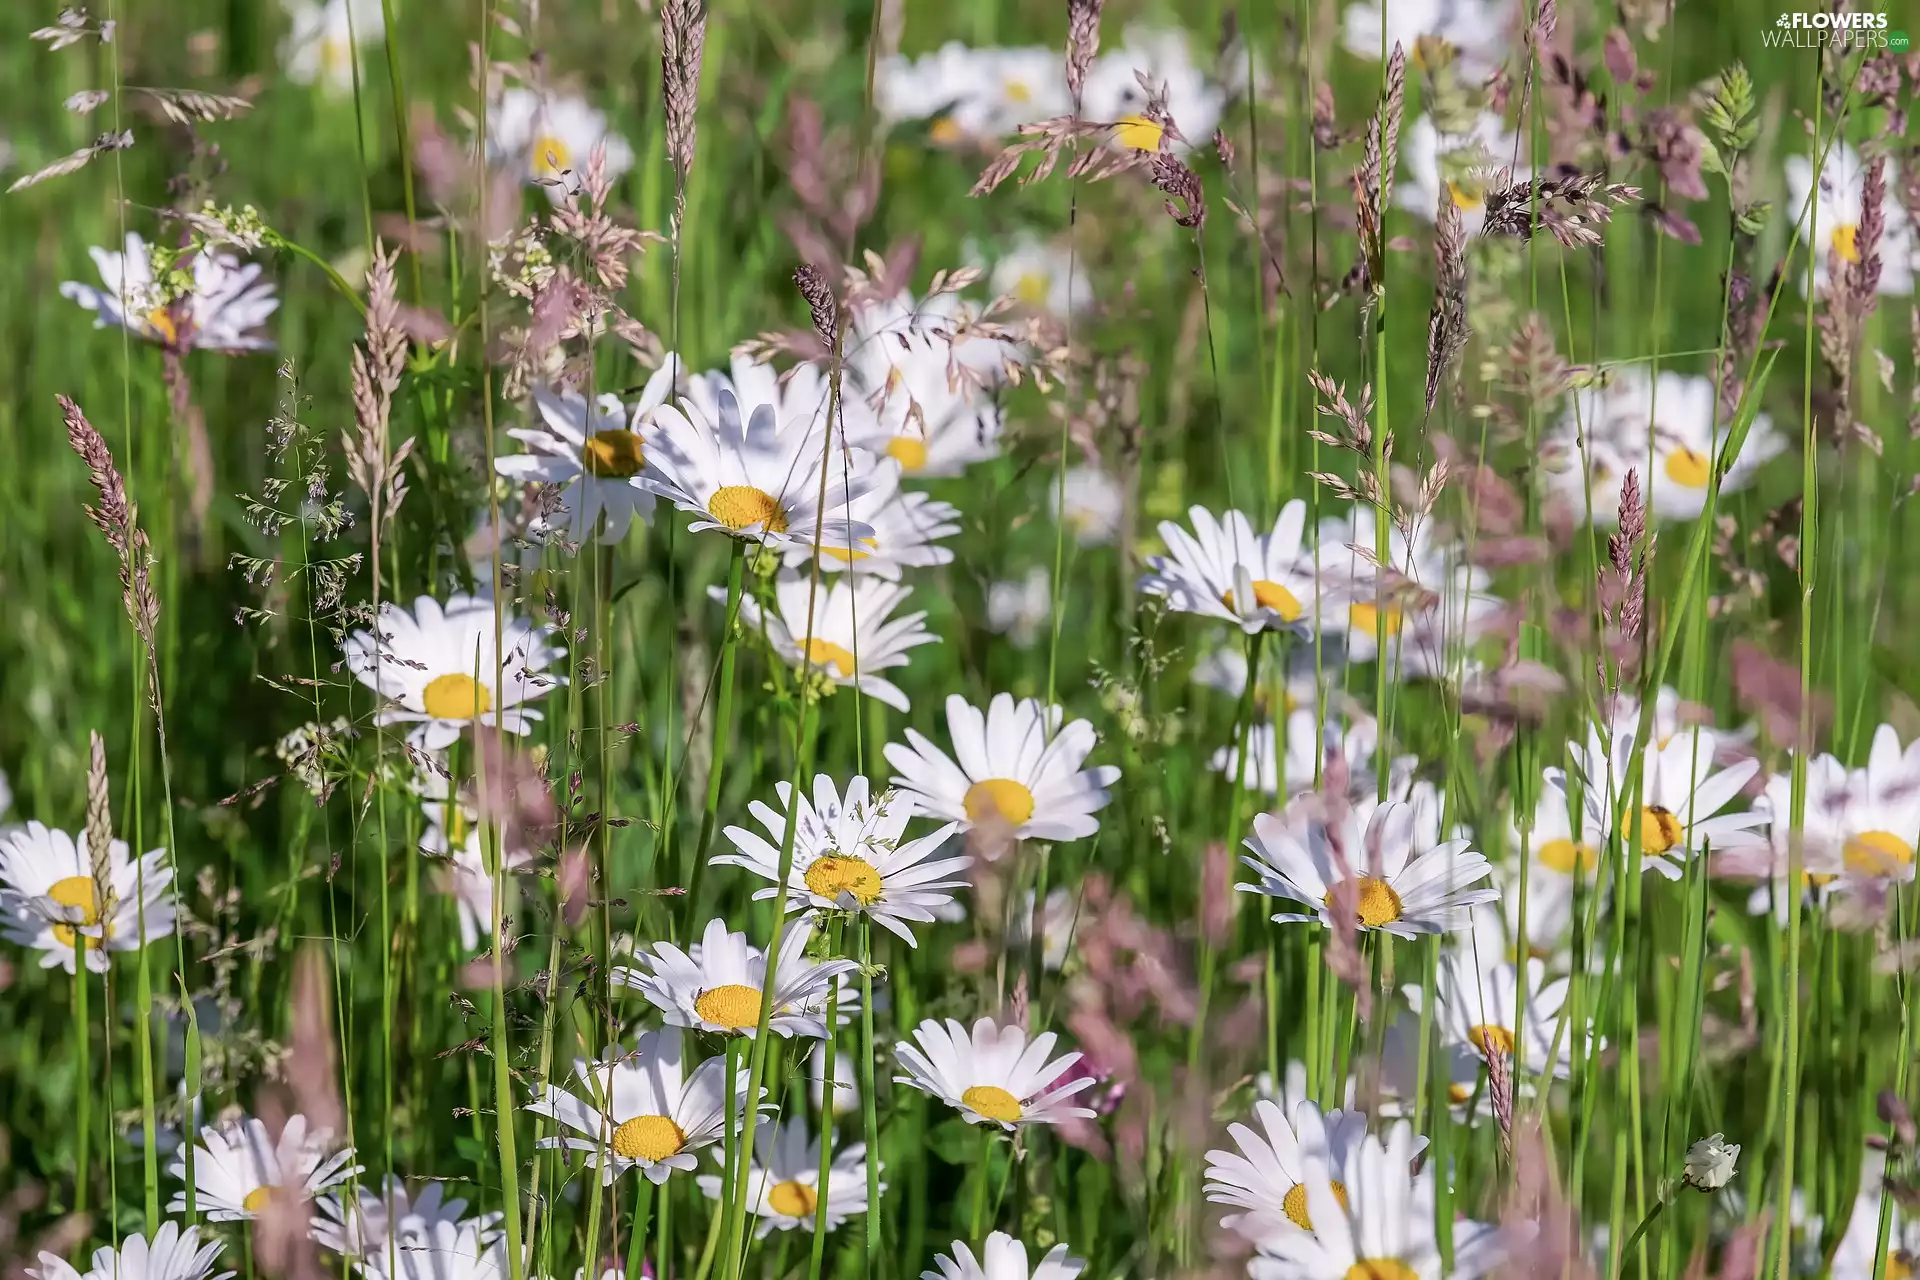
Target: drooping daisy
x=783 y=1180
x=1403 y=1086
x=1836 y=217
x=972 y=95
x=239 y=1168
x=1464 y=166
x=369 y=1225
x=1382 y=1229
x=1560 y=872
x=1475 y=1003
x=1003 y=1258
x=1042 y=276
x=641 y=1108
x=992 y=1074
x=1665 y=430
x=1163 y=55
x=438 y=664
x=1017 y=767
x=1058 y=919
x=1223 y=569
x=589 y=454
x=1224 y=669
x=324 y=38
x=1017 y=608
x=1267 y=1176
x=224 y=311
x=549 y=136
x=717 y=985
x=1866 y=820
x=175 y=1253
x=929 y=382
x=1385 y=872
x=1095 y=505
x=904 y=525
x=851 y=637
x=1681 y=796
x=1476 y=29
x=1435 y=603
x=1305 y=753
x=471 y=883
x=851 y=855
x=49 y=901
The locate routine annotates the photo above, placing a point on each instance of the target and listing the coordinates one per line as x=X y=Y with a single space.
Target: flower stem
x=828 y=1050
x=722 y=736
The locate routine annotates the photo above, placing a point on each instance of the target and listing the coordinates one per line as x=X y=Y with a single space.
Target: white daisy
x=642 y=1110
x=471 y=884
x=225 y=310
x=1860 y=1243
x=1041 y=275
x=905 y=528
x=992 y=1074
x=1095 y=505
x=1224 y=669
x=1402 y=1085
x=1474 y=1004
x=49 y=901
x=851 y=855
x=799 y=397
x=1436 y=603
x=1058 y=919
x=550 y=136
x=717 y=985
x=439 y=667
x=1163 y=55
x=589 y=455
x=973 y=95
x=1018 y=608
x=1267 y=1176
x=1003 y=1258
x=929 y=383
x=1384 y=869
x=324 y=38
x=1258 y=582
x=1477 y=29
x=441 y=1250
x=1559 y=862
x=1836 y=218
x=1382 y=1229
x=1866 y=820
x=783 y=1179
x=372 y=1227
x=175 y=1253
x=1681 y=796
x=1464 y=165
x=1306 y=752
x=1017 y=767
x=851 y=637
x=1666 y=431
x=846 y=1089
x=238 y=1168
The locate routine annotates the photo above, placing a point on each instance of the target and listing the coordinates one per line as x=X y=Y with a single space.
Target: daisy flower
x=798 y=398
x=1476 y=29
x=1681 y=796
x=367 y=1225
x=1095 y=505
x=1003 y=1258
x=588 y=454
x=1017 y=767
x=972 y=95
x=325 y=37
x=1559 y=860
x=1836 y=217
x=1223 y=569
x=851 y=637
x=441 y=1250
x=549 y=136
x=1435 y=603
x=49 y=901
x=1463 y=165
x=846 y=1089
x=1224 y=669
x=225 y=310
x=1860 y=1243
x=238 y=1168
x=1058 y=920
x=928 y=383
x=1267 y=1175
x=1041 y=276
x=1474 y=1001
x=717 y=985
x=1386 y=872
x=175 y=1253
x=1865 y=820
x=1305 y=753
x=1163 y=55
x=642 y=1110
x=992 y=1074
x=1382 y=1229
x=783 y=1180
x=851 y=855
x=904 y=529
x=1018 y=607
x=471 y=884
x=1402 y=1085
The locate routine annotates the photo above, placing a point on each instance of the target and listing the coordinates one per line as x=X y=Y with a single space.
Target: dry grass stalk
x=819 y=296
x=1447 y=330
x=1852 y=293
x=1083 y=44
x=374 y=466
x=115 y=517
x=75 y=161
x=190 y=106
x=683 y=36
x=1572 y=209
x=1395 y=108
x=100 y=826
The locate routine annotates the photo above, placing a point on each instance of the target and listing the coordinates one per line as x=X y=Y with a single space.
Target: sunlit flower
x=439 y=666
x=783 y=1179
x=377 y=1228
x=1003 y=1258
x=1018 y=608
x=1476 y=29
x=992 y=1074
x=175 y=1253
x=1859 y=821
x=1837 y=215
x=239 y=1169
x=642 y=1110
x=1475 y=1002
x=904 y=529
x=550 y=137
x=49 y=901
x=1406 y=1076
x=1383 y=869
x=1267 y=1175
x=1163 y=54
x=1305 y=754
x=1464 y=166
x=470 y=881
x=851 y=855
x=1017 y=767
x=1430 y=602
x=973 y=95
x=324 y=37
x=589 y=455
x=717 y=985
x=1680 y=799
x=1225 y=570
x=224 y=310
x=929 y=381
x=1095 y=505
x=851 y=636
x=1711 y=1161
x=1042 y=275
x=1559 y=863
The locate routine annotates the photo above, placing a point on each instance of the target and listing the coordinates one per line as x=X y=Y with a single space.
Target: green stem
x=828 y=1049
x=722 y=735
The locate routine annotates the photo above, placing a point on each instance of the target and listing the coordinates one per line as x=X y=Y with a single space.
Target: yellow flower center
x=335 y=54
x=993 y=1102
x=909 y=451
x=832 y=876
x=1381 y=1269
x=1459 y=1094
x=734 y=1006
x=1900 y=1265
x=794 y=1199
x=550 y=156
x=256 y=1200
x=1686 y=467
x=648 y=1138
x=1033 y=288
x=847 y=555
x=1001 y=798
x=1270 y=595
x=1138 y=132
x=1846 y=242
x=1466 y=197
x=614 y=453
x=825 y=653
x=162 y=321
x=1659 y=829
x=1295 y=1203
x=1017 y=91
x=1374 y=901
x=944 y=130
x=76 y=893
x=456 y=697
x=1564 y=856
x=456 y=816
x=740 y=506
x=1871 y=853
x=1365 y=618
x=1489 y=1039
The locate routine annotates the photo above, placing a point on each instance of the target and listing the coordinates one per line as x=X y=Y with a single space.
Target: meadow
x=867 y=638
